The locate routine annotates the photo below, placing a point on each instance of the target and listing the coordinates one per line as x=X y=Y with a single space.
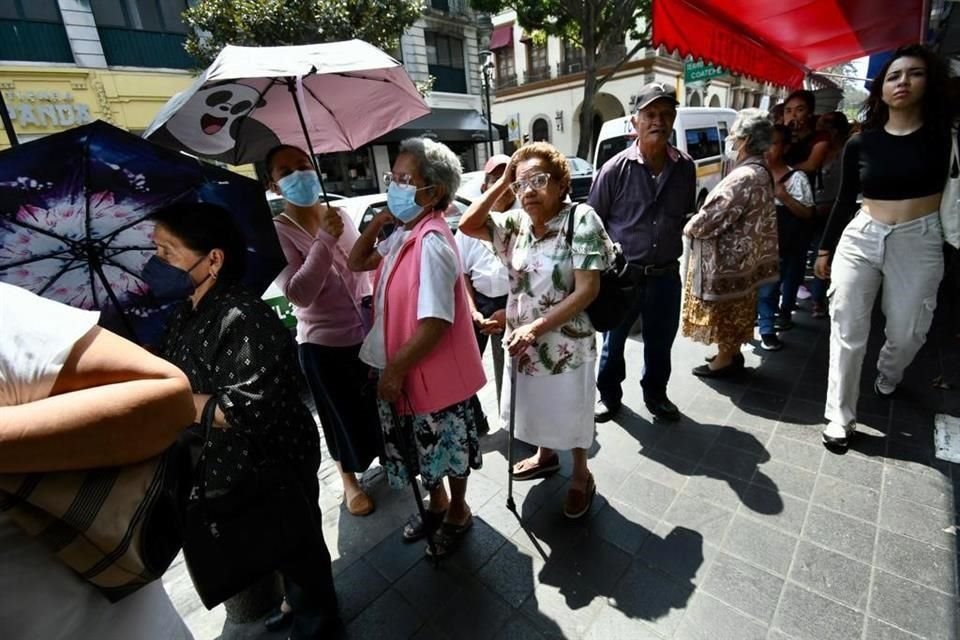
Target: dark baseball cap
x=653 y=92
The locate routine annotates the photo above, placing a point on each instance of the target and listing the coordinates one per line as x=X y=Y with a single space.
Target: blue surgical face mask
x=402 y=201
x=300 y=188
x=166 y=281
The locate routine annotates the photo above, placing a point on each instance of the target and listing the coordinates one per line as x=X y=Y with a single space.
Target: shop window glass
x=36 y=10
x=703 y=143
x=150 y=15
x=110 y=13
x=170 y=11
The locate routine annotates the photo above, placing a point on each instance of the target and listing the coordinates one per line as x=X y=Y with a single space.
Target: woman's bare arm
x=113 y=403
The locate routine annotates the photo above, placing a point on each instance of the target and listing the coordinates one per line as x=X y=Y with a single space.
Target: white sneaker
x=836 y=435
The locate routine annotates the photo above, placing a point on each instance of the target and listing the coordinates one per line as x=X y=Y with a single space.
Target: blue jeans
x=657 y=302
x=769 y=300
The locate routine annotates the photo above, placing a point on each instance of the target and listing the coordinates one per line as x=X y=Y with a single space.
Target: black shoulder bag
x=232 y=540
x=609 y=308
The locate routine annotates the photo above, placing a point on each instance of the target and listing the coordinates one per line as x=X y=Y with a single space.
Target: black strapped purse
x=232 y=539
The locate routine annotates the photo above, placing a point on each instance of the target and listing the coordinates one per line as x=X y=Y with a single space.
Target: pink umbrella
x=334 y=97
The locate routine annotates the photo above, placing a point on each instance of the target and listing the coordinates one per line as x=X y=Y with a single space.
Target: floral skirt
x=442 y=444
x=718 y=321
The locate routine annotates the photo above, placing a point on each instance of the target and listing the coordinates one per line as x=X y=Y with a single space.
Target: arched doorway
x=605 y=107
x=715 y=101
x=695 y=99
x=540 y=131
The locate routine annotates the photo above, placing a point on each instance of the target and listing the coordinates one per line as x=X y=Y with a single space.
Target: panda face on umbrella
x=208 y=123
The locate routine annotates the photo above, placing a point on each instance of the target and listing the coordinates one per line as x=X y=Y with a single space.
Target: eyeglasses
x=536 y=182
x=402 y=179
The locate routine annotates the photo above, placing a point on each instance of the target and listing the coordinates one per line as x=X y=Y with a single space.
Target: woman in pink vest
x=327 y=298
x=422 y=341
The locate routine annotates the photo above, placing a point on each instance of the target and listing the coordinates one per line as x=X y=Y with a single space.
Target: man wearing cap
x=487 y=280
x=644 y=195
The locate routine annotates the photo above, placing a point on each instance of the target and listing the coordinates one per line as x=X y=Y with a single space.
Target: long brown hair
x=937 y=108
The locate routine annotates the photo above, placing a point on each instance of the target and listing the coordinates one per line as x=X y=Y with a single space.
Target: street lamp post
x=486 y=68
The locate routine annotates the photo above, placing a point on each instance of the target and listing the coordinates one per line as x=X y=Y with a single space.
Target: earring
x=213 y=274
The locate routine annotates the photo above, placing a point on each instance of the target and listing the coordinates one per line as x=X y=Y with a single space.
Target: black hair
x=806 y=95
x=272 y=154
x=937 y=111
x=786 y=133
x=203 y=227
x=837 y=123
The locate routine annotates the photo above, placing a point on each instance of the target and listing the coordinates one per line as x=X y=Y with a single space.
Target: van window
x=610 y=147
x=722 y=125
x=703 y=143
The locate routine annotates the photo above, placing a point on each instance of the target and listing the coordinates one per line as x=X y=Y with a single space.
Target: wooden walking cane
x=409 y=449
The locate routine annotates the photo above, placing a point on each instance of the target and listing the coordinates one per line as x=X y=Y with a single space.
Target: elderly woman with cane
x=422 y=343
x=554 y=252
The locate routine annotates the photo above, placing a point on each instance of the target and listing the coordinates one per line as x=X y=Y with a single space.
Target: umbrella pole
x=97 y=267
x=292 y=86
x=7 y=123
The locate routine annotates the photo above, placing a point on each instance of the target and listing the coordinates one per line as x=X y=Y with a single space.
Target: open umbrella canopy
x=782 y=41
x=74 y=225
x=349 y=92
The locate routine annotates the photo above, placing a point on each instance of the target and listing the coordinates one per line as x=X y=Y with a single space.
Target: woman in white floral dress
x=550 y=338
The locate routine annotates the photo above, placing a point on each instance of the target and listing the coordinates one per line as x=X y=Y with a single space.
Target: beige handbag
x=950 y=202
x=117 y=528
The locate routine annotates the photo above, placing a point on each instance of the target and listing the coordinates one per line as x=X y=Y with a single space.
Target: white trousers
x=906 y=260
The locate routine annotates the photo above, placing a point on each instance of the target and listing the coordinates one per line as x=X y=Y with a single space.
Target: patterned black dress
x=234 y=345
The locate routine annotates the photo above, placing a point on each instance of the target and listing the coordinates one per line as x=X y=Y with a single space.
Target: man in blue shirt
x=644 y=195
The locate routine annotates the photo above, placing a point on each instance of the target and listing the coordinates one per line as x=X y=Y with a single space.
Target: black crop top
x=883 y=166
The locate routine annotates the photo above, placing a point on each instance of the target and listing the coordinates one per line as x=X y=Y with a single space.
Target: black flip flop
x=416 y=529
x=448 y=537
x=542 y=470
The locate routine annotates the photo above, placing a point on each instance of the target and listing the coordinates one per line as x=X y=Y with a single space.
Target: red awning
x=501 y=37
x=782 y=41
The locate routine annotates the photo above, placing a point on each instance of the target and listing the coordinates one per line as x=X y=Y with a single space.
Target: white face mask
x=729 y=149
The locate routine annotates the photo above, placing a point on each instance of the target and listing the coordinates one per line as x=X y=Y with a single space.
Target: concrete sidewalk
x=734 y=523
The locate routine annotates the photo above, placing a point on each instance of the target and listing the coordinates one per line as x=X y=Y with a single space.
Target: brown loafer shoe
x=360 y=505
x=578 y=502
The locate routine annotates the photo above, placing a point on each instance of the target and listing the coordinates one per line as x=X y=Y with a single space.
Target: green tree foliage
x=216 y=23
x=599 y=27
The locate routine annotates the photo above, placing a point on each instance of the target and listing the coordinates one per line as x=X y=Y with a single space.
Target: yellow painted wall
x=45 y=100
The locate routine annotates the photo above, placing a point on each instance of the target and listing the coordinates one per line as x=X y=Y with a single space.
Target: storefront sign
x=46 y=109
x=697 y=71
x=513 y=128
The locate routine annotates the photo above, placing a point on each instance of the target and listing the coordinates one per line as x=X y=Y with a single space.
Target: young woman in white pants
x=892 y=244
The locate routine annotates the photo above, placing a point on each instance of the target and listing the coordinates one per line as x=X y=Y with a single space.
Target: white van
x=697 y=131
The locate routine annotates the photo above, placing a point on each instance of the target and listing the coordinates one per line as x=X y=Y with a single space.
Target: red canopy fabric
x=501 y=37
x=782 y=41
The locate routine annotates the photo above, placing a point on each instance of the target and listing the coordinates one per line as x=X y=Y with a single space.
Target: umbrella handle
x=292 y=85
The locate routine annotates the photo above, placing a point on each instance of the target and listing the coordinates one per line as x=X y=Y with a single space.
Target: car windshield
x=579 y=165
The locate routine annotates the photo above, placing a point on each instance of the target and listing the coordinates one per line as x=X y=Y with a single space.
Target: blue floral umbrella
x=74 y=225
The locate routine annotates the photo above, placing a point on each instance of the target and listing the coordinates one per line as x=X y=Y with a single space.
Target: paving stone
x=710 y=619
x=798 y=430
x=511 y=573
x=708 y=520
x=678 y=552
x=646 y=495
x=799 y=454
x=389 y=617
x=761 y=545
x=428 y=587
x=689 y=444
x=649 y=595
x=358 y=586
x=785 y=478
x=804 y=410
x=767 y=402
x=877 y=630
x=756 y=420
x=912 y=607
x=595 y=561
x=613 y=623
x=730 y=461
x=847 y=498
x=518 y=627
x=855 y=470
x=776 y=509
x=623 y=526
x=477 y=546
x=928 y=490
x=749 y=439
x=561 y=605
x=717 y=488
x=917 y=521
x=666 y=469
x=832 y=575
x=840 y=533
x=472 y=602
x=811 y=393
x=930 y=566
x=744 y=587
x=393 y=557
x=804 y=615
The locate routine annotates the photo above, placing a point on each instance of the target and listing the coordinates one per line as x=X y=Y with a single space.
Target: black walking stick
x=409 y=450
x=512 y=423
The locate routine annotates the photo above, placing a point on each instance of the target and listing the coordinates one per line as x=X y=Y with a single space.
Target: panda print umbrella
x=328 y=97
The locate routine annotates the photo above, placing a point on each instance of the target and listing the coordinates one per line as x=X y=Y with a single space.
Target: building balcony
x=34 y=41
x=506 y=81
x=137 y=48
x=448 y=79
x=450 y=7
x=536 y=74
x=570 y=67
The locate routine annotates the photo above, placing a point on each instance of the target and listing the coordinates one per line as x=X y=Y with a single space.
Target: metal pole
x=292 y=86
x=8 y=124
x=486 y=90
